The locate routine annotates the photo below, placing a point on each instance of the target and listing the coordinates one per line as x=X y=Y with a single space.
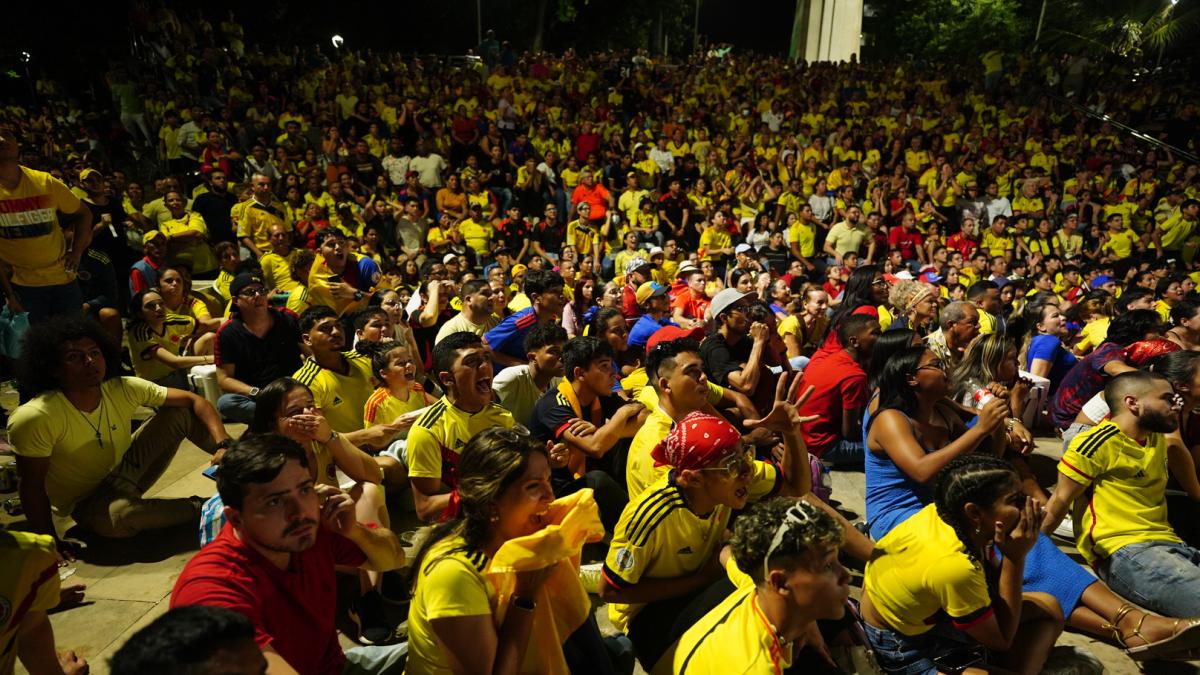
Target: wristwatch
x=222 y=445
x=254 y=392
x=332 y=437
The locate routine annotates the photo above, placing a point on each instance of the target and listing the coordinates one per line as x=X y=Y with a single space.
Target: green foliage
x=1132 y=29
x=950 y=29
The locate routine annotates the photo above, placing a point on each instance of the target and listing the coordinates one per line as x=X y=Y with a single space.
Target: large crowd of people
x=606 y=324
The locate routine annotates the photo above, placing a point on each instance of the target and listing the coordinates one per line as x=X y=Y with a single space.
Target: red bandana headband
x=696 y=441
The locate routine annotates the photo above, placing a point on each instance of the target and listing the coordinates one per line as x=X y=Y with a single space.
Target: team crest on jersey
x=5 y=610
x=337 y=400
x=624 y=559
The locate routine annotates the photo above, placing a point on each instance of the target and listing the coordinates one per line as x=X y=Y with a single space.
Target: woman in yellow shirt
x=163 y=346
x=942 y=562
x=175 y=285
x=455 y=623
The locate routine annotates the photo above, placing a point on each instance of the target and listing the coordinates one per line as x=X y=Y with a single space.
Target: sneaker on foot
x=589 y=575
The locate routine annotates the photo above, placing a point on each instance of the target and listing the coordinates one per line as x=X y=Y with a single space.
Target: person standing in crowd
x=76 y=454
x=37 y=211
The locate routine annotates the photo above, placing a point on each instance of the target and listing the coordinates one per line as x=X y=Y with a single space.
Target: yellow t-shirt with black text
x=31 y=238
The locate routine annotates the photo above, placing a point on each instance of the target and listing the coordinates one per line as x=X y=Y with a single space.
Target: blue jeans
x=376 y=660
x=43 y=302
x=236 y=408
x=845 y=452
x=914 y=655
x=1161 y=576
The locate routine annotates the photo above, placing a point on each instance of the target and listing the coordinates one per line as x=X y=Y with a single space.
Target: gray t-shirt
x=518 y=392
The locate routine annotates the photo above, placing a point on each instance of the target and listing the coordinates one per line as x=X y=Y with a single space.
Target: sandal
x=1185 y=636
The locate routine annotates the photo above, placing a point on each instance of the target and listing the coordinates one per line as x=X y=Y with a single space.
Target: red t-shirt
x=906 y=241
x=293 y=611
x=596 y=197
x=687 y=301
x=839 y=384
x=963 y=244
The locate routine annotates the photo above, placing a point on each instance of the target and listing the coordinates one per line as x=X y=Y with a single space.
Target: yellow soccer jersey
x=31 y=238
x=804 y=236
x=277 y=272
x=340 y=397
x=734 y=632
x=450 y=583
x=28 y=583
x=436 y=439
x=1124 y=502
x=659 y=537
x=921 y=569
x=711 y=241
x=256 y=221
x=383 y=408
x=640 y=471
x=1120 y=244
x=997 y=244
x=143 y=342
x=198 y=255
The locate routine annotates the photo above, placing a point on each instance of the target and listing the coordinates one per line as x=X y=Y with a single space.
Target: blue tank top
x=892 y=496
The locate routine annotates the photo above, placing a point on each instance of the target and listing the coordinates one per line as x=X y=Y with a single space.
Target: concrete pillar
x=827 y=30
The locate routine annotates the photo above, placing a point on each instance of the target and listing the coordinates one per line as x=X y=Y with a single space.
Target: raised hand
x=783 y=417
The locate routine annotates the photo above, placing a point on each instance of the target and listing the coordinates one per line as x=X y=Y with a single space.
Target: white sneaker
x=1066 y=529
x=589 y=576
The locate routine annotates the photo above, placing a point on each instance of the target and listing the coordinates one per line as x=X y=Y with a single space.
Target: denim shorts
x=914 y=655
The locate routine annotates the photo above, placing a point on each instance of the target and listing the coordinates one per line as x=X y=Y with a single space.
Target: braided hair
x=972 y=478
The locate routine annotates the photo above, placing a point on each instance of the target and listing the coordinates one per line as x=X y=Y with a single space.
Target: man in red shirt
x=596 y=195
x=688 y=301
x=637 y=272
x=840 y=393
x=274 y=560
x=906 y=238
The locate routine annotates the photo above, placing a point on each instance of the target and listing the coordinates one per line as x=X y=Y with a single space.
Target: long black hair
x=889 y=344
x=859 y=292
x=894 y=390
x=971 y=478
x=268 y=403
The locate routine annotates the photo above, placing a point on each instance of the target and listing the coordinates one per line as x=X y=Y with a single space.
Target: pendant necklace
x=95 y=428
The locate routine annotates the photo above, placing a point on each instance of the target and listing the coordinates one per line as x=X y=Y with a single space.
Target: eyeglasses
x=735 y=465
x=252 y=292
x=879 y=282
x=934 y=365
x=797 y=515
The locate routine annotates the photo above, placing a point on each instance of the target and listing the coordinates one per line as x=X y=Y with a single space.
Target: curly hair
x=41 y=347
x=755 y=531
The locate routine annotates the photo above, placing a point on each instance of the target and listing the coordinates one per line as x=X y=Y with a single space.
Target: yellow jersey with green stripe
x=659 y=537
x=29 y=583
x=340 y=397
x=144 y=342
x=437 y=438
x=1125 y=486
x=298 y=300
x=450 y=583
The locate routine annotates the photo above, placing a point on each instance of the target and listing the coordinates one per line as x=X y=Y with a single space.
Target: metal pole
x=696 y=28
x=479 y=22
x=1041 y=18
